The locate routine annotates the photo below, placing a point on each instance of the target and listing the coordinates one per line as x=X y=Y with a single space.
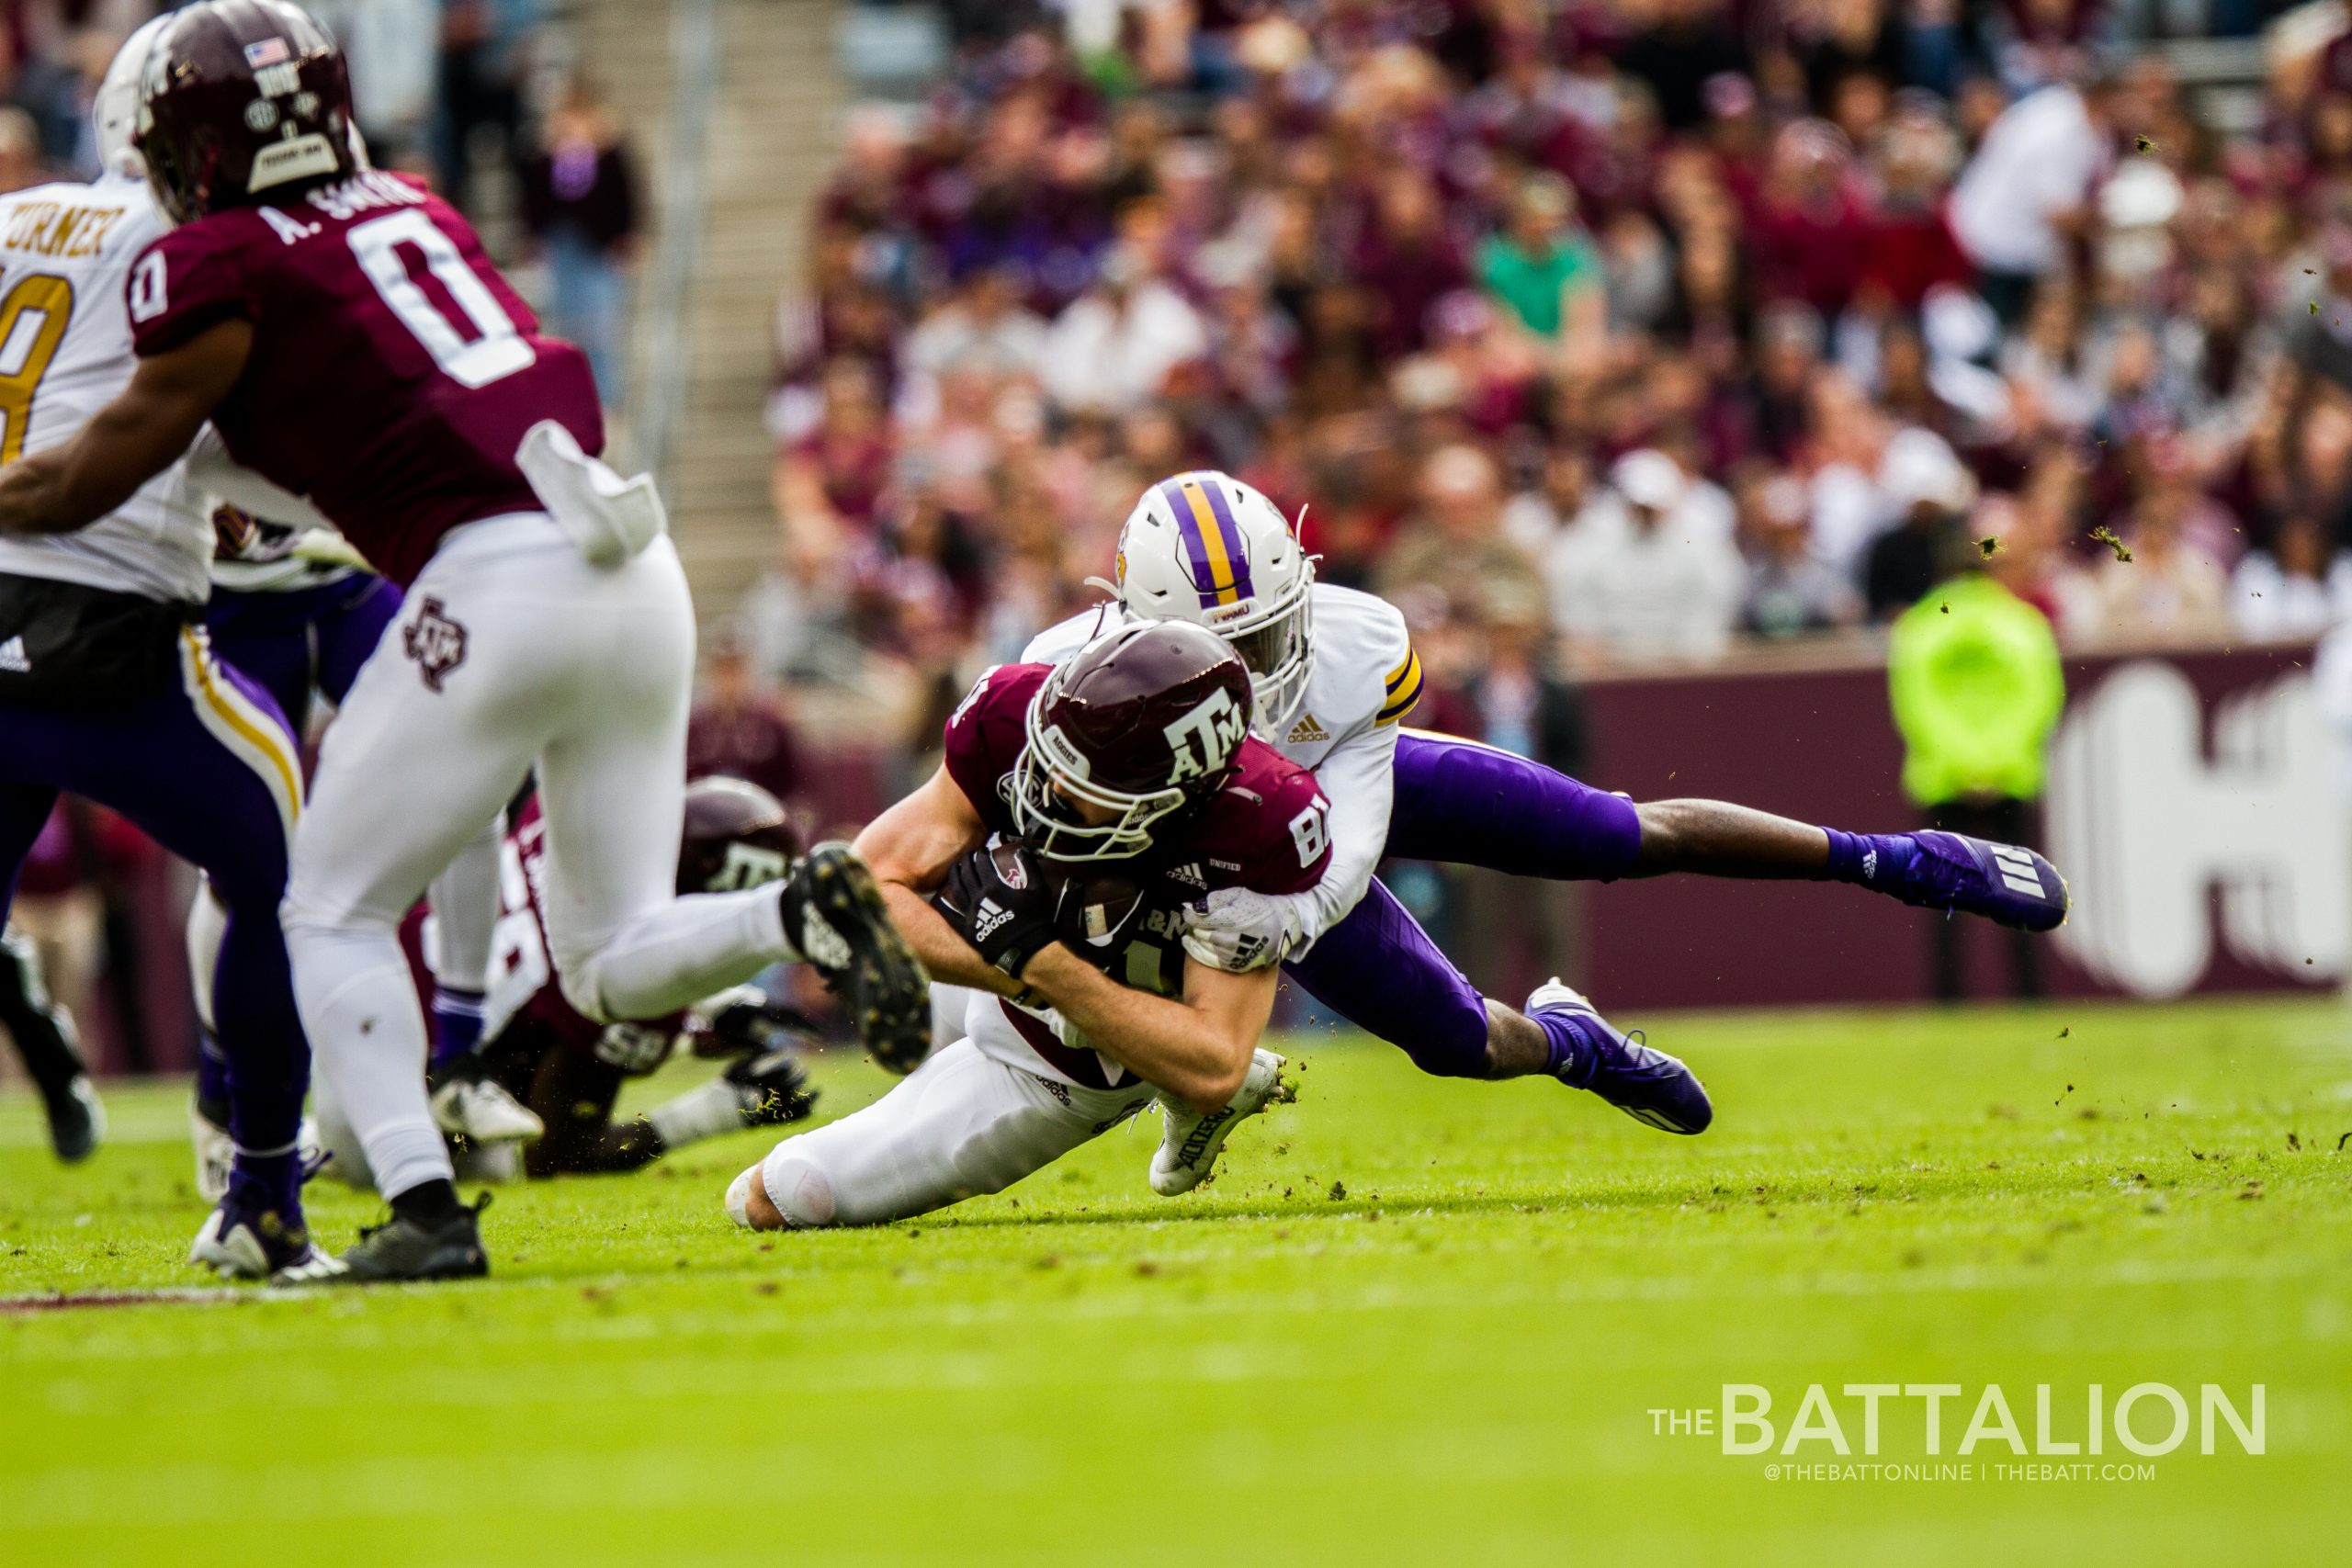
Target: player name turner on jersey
x=394 y=371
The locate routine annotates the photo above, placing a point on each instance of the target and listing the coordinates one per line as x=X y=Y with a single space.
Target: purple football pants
x=291 y=642
x=164 y=763
x=298 y=639
x=1460 y=804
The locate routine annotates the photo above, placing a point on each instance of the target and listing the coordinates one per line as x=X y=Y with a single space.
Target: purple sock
x=270 y=1181
x=457 y=1024
x=1570 y=1049
x=1869 y=860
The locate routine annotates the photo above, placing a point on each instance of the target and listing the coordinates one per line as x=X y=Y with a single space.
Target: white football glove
x=1237 y=930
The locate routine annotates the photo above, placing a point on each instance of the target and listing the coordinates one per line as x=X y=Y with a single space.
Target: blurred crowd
x=1593 y=332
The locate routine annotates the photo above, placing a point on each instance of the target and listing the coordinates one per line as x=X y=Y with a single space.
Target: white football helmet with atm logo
x=1204 y=548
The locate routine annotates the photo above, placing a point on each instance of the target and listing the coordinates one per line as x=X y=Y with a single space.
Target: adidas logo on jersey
x=1189 y=874
x=12 y=659
x=1307 y=731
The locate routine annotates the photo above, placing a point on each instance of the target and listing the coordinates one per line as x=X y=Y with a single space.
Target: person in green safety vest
x=1973 y=673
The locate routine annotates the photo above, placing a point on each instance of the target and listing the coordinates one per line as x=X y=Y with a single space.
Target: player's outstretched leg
x=1465 y=804
x=2004 y=883
x=44 y=1037
x=960 y=1125
x=2007 y=884
x=1378 y=969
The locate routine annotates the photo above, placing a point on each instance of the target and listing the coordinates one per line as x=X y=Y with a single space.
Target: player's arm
x=910 y=847
x=1197 y=1048
x=213 y=471
x=1359 y=780
x=142 y=432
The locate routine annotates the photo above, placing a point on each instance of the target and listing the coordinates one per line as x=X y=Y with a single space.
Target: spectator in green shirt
x=1543 y=269
x=1977 y=688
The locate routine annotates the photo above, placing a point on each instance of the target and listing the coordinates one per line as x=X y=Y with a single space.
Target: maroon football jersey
x=394 y=371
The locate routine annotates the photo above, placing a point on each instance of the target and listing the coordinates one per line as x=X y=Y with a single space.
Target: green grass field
x=1413 y=1322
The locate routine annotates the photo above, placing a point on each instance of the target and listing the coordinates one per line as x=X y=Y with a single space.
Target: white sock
x=705 y=1113
x=672 y=957
x=366 y=1033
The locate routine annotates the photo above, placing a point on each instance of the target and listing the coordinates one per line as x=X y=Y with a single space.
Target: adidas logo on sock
x=1870 y=864
x=820 y=944
x=2016 y=866
x=13 y=657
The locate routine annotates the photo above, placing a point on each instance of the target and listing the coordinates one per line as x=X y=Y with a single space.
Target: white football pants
x=961 y=1124
x=511 y=653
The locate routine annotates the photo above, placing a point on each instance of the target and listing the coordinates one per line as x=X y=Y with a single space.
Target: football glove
x=1000 y=899
x=1237 y=930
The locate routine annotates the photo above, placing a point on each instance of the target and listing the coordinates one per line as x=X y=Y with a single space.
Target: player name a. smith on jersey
x=58 y=229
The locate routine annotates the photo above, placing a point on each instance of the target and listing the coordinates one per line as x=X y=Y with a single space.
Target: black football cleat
x=833 y=913
x=77 y=1121
x=401 y=1249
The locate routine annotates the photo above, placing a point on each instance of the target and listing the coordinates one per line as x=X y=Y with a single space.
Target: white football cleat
x=1188 y=1141
x=238 y=1243
x=483 y=1111
x=216 y=1152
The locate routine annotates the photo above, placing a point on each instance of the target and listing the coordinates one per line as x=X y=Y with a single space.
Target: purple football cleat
x=1645 y=1084
x=2007 y=884
x=249 y=1237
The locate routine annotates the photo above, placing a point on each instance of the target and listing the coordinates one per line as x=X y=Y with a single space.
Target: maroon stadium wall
x=1819 y=744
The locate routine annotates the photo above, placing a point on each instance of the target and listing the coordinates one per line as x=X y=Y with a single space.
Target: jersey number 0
x=496 y=350
x=33 y=316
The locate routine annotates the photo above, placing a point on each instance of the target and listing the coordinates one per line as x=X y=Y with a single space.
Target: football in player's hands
x=1001 y=901
x=1096 y=913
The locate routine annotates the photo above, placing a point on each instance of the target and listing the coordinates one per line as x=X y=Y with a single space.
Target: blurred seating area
x=1625 y=334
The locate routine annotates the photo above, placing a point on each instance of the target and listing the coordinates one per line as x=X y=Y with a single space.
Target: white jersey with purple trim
x=65 y=254
x=1366 y=679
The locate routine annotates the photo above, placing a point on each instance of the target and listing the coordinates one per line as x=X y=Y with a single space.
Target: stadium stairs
x=729 y=220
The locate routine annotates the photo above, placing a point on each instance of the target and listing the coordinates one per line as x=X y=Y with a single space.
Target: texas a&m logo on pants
x=435 y=642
